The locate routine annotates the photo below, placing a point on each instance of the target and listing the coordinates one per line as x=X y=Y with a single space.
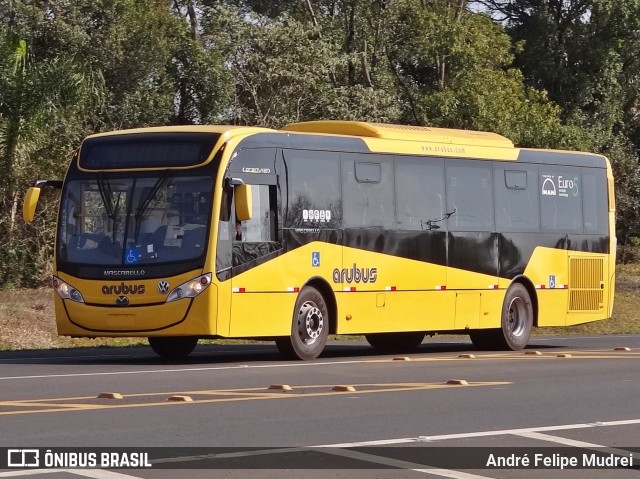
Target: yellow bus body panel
x=101 y=317
x=570 y=300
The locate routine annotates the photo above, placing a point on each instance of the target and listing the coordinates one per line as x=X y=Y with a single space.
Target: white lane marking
x=28 y=472
x=557 y=439
x=339 y=343
x=502 y=432
x=405 y=465
x=142 y=355
x=92 y=473
x=176 y=370
x=357 y=455
x=100 y=474
x=230 y=455
x=566 y=338
x=343 y=448
x=572 y=442
x=339 y=449
x=451 y=473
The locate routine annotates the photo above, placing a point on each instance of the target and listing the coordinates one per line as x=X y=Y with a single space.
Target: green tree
x=70 y=68
x=290 y=70
x=42 y=104
x=455 y=70
x=584 y=53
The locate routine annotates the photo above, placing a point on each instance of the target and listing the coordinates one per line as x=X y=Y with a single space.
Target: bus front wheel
x=309 y=328
x=516 y=323
x=176 y=347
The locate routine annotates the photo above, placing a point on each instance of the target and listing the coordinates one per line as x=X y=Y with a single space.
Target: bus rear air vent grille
x=586 y=280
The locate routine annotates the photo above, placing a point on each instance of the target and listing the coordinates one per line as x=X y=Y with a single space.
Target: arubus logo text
x=123 y=289
x=355 y=275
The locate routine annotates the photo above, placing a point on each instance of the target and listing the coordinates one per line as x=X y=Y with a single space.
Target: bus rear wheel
x=309 y=328
x=395 y=342
x=174 y=347
x=516 y=323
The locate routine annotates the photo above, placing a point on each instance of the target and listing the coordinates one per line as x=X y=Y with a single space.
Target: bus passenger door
x=421 y=250
x=472 y=246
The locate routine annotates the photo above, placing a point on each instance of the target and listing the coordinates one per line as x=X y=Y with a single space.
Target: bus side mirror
x=30 y=203
x=243 y=202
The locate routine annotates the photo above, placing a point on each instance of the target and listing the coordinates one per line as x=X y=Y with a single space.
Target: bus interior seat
x=157 y=237
x=173 y=213
x=201 y=213
x=109 y=247
x=194 y=238
x=148 y=225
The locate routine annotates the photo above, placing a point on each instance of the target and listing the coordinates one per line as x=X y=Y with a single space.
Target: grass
x=27 y=318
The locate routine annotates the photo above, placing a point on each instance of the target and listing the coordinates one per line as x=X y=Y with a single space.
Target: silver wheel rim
x=517 y=317
x=310 y=322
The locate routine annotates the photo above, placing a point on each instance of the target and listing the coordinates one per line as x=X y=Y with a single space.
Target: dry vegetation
x=27 y=322
x=27 y=317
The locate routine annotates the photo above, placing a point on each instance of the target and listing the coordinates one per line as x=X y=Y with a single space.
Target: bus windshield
x=115 y=220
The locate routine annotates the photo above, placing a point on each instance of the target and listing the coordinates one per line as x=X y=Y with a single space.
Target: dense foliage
x=546 y=73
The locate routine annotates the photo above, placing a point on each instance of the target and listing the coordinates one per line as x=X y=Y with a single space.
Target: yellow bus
x=328 y=227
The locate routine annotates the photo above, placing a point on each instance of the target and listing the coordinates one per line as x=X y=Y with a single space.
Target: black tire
x=174 y=347
x=485 y=339
x=395 y=342
x=517 y=318
x=516 y=323
x=309 y=327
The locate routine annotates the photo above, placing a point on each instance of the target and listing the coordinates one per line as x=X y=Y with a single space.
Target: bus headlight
x=66 y=291
x=190 y=289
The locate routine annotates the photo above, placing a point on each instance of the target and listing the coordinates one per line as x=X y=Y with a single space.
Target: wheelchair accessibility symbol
x=552 y=281
x=132 y=255
x=315 y=259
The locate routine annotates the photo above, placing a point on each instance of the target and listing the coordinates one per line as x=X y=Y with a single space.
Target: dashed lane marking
x=86 y=403
x=578 y=354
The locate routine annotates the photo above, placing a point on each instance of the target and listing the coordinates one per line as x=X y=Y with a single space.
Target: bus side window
x=312 y=185
x=238 y=231
x=262 y=225
x=419 y=193
x=257 y=237
x=368 y=188
x=594 y=198
x=470 y=195
x=561 y=199
x=516 y=193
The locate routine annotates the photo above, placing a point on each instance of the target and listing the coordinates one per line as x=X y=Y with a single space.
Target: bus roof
x=386 y=138
x=402 y=132
x=231 y=130
x=343 y=128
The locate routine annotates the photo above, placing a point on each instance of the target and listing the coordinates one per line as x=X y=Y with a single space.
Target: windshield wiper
x=106 y=193
x=145 y=202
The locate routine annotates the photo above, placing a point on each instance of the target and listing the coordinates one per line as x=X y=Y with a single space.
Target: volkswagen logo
x=122 y=301
x=163 y=287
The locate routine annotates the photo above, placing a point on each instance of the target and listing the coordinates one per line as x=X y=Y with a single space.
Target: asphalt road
x=570 y=395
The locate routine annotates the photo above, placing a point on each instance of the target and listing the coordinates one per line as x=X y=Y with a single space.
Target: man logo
x=163 y=287
x=548 y=187
x=122 y=301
